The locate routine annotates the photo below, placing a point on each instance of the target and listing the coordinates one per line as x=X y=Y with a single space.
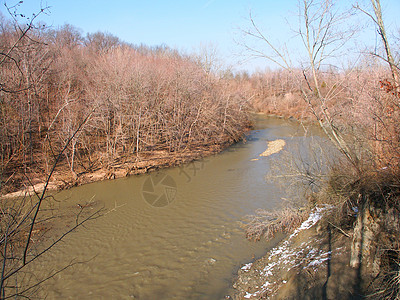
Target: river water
x=174 y=234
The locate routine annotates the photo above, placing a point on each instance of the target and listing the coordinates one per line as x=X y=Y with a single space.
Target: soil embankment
x=122 y=167
x=311 y=263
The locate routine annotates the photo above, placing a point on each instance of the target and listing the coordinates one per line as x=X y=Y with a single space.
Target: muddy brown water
x=187 y=244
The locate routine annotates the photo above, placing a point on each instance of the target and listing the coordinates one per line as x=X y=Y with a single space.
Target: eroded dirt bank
x=311 y=263
x=122 y=167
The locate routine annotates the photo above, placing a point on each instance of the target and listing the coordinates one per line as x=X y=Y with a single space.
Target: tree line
x=125 y=99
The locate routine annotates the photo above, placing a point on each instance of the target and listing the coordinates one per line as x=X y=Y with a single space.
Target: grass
x=266 y=224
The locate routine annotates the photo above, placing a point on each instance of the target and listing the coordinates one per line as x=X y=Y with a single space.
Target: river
x=174 y=234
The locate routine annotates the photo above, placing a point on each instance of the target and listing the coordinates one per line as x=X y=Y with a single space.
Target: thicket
x=125 y=100
x=273 y=92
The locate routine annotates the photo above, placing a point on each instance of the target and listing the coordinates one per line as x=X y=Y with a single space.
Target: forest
x=104 y=100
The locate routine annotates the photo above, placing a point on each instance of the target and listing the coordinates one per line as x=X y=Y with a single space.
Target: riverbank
x=122 y=167
x=185 y=250
x=311 y=263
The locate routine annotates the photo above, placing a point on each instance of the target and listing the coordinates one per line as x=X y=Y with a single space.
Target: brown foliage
x=137 y=99
x=274 y=92
x=267 y=224
x=361 y=104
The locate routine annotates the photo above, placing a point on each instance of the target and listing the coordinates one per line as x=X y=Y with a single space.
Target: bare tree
x=101 y=42
x=323 y=36
x=209 y=59
x=362 y=122
x=377 y=19
x=23 y=220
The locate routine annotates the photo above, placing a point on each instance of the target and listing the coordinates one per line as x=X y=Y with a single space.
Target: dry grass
x=267 y=224
x=387 y=284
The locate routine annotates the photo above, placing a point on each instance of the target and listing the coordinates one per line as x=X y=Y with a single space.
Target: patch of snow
x=284 y=258
x=317 y=262
x=247 y=267
x=319 y=259
x=266 y=284
x=313 y=218
x=248 y=295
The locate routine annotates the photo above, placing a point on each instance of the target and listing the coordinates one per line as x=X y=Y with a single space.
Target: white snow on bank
x=313 y=218
x=247 y=267
x=284 y=257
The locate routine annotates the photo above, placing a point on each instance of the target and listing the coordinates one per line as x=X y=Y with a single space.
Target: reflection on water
x=172 y=235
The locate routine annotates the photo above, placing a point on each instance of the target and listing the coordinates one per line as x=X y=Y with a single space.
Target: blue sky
x=184 y=25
